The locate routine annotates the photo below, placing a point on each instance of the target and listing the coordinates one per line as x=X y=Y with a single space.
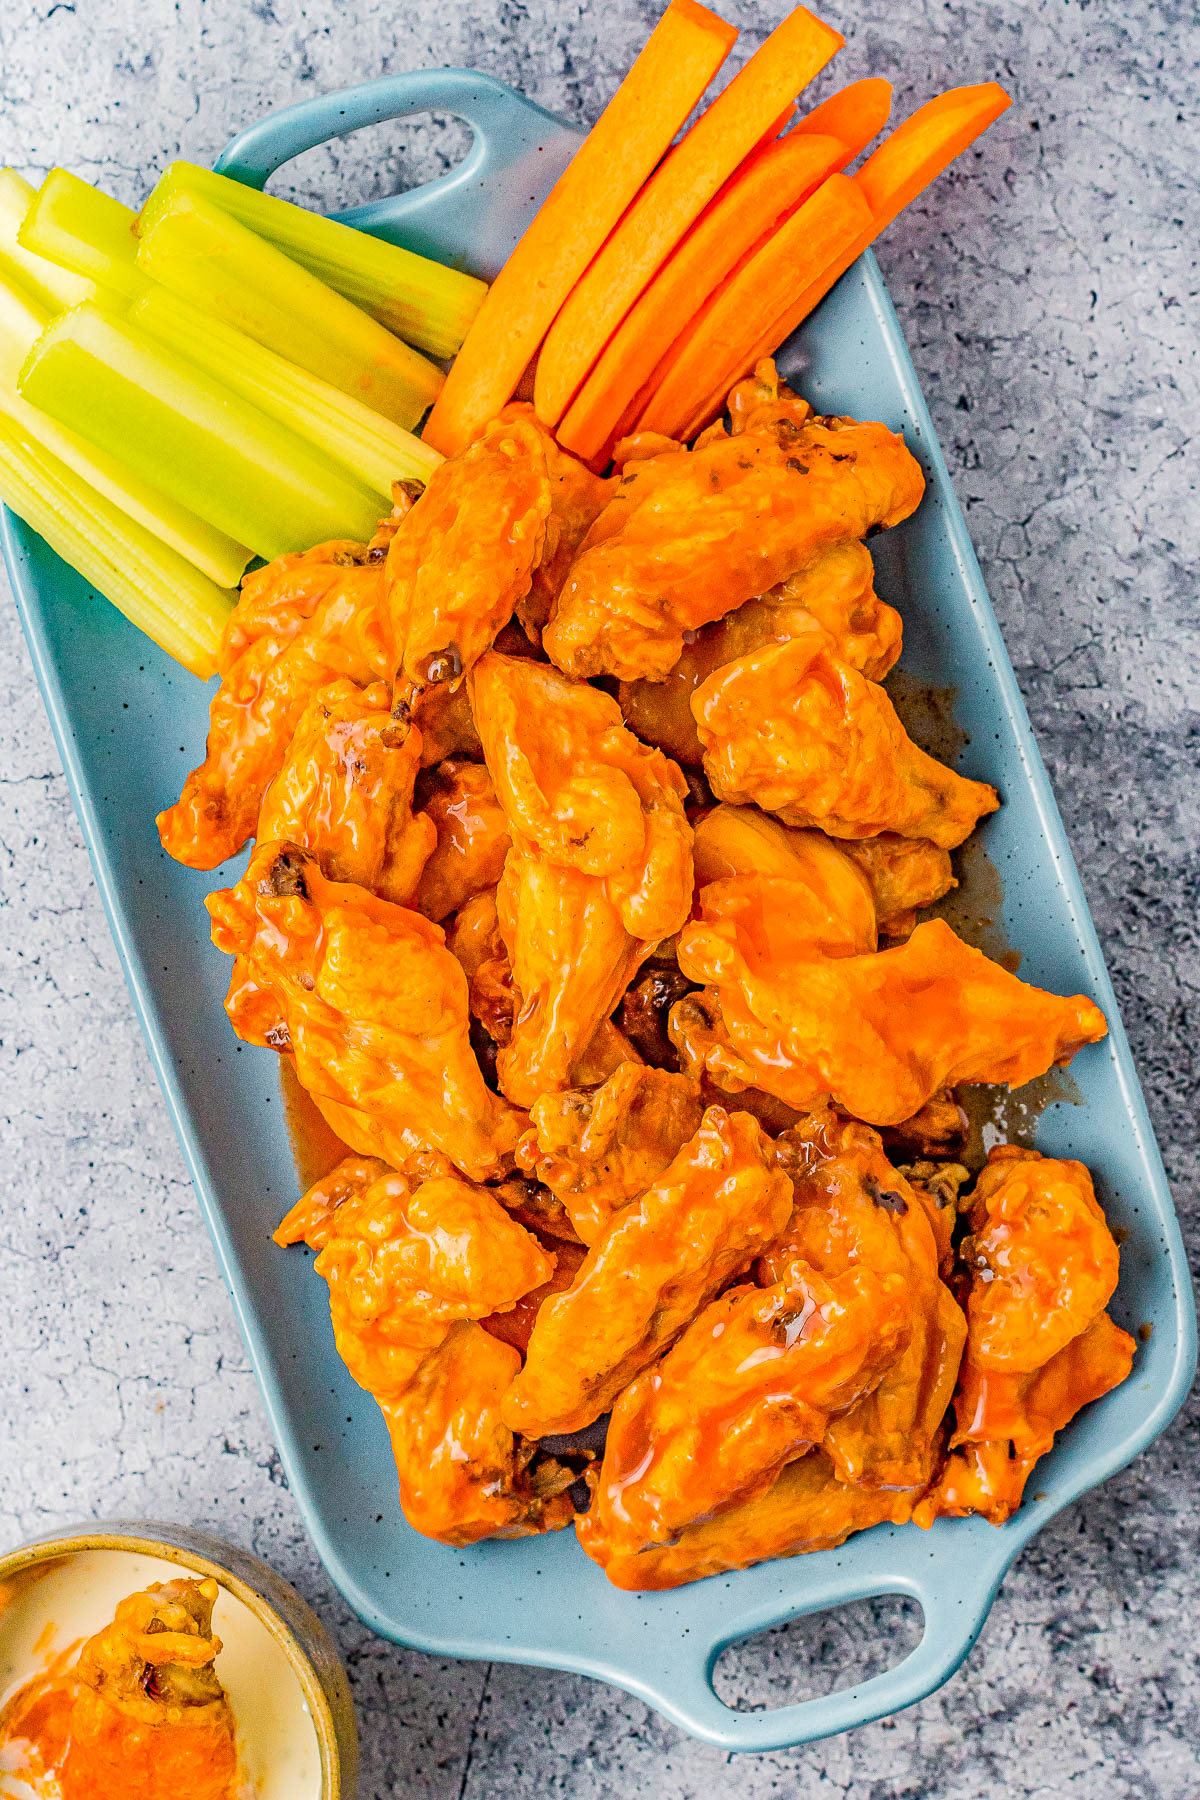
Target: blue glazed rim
x=479 y=207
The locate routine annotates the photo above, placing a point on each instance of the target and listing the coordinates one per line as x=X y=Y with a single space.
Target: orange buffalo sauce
x=139 y=1714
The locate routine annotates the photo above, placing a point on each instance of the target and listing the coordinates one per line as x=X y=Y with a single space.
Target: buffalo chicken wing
x=708 y=1215
x=692 y=534
x=372 y=1005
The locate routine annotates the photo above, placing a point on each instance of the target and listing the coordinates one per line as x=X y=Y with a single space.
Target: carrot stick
x=672 y=199
x=679 y=59
x=855 y=114
x=751 y=298
x=905 y=163
x=926 y=143
x=750 y=205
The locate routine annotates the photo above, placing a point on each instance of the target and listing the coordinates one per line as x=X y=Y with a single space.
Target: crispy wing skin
x=880 y=1034
x=1040 y=1345
x=312 y=619
x=752 y=1384
x=464 y=556
x=853 y=1210
x=405 y=1261
x=763 y=401
x=662 y=1257
x=904 y=873
x=141 y=1713
x=373 y=1007
x=690 y=535
x=472 y=838
x=599 y=1149
x=807 y=1508
x=462 y=1476
x=836 y=593
x=802 y=734
x=345 y=792
x=600 y=870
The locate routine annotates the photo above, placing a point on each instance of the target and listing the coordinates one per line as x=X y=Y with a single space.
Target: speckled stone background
x=1048 y=287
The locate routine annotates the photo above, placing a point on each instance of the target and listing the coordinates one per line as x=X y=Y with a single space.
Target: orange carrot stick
x=904 y=164
x=679 y=59
x=672 y=199
x=751 y=298
x=855 y=114
x=749 y=207
x=926 y=143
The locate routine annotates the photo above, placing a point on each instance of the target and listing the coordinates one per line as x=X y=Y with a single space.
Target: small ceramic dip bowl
x=287 y=1689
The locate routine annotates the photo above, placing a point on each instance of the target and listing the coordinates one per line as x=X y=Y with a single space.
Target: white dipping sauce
x=78 y=1595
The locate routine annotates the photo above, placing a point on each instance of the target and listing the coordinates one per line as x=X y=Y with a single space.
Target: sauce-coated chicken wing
x=404 y=1261
x=371 y=1004
x=854 y=1210
x=313 y=618
x=836 y=593
x=600 y=870
x=752 y=1384
x=905 y=874
x=141 y=1714
x=462 y=1474
x=409 y=1269
x=345 y=792
x=474 y=938
x=472 y=838
x=577 y=497
x=465 y=556
x=802 y=734
x=690 y=535
x=710 y=1213
x=807 y=1508
x=599 y=1149
x=790 y=892
x=880 y=1034
x=1040 y=1345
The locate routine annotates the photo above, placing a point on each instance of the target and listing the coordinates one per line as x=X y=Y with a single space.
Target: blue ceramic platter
x=130 y=724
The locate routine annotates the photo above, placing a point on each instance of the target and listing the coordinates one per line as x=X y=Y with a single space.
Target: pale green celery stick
x=44 y=281
x=81 y=229
x=422 y=301
x=215 y=555
x=202 y=254
x=362 y=441
x=161 y=594
x=203 y=446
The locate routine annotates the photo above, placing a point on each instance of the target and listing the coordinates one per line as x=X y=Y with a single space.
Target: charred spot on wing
x=443 y=666
x=284 y=880
x=887 y=1199
x=589 y=1441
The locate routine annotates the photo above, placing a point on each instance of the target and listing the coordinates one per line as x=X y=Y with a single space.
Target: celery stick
x=362 y=441
x=22 y=322
x=160 y=593
x=200 y=253
x=214 y=554
x=207 y=449
x=422 y=301
x=83 y=230
x=44 y=281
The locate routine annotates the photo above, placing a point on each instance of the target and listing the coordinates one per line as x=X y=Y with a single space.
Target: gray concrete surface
x=1048 y=287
